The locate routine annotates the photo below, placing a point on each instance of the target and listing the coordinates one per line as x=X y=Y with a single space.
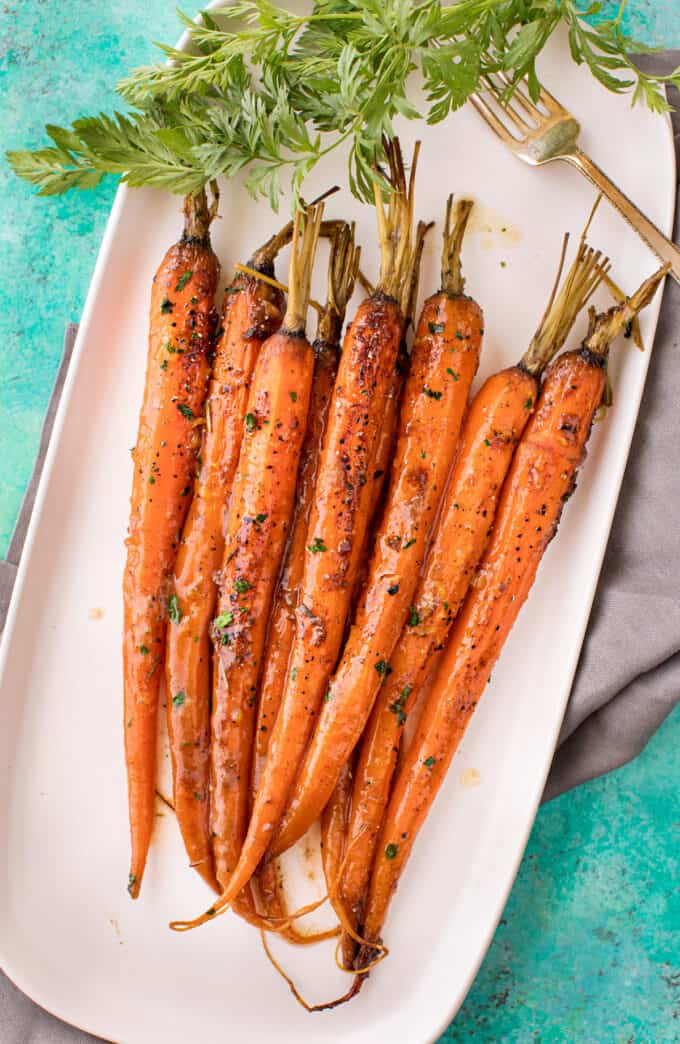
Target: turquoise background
x=587 y=950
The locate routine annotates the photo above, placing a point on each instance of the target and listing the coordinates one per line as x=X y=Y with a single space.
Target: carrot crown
x=605 y=327
x=306 y=229
x=395 y=225
x=421 y=232
x=343 y=266
x=587 y=271
x=198 y=214
x=455 y=224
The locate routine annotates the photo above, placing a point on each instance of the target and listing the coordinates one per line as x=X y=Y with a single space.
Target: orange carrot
x=259 y=517
x=443 y=364
x=180 y=339
x=493 y=426
x=252 y=312
x=337 y=524
x=343 y=265
x=541 y=478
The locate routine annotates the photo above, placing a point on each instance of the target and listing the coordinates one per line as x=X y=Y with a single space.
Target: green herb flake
x=293 y=674
x=186 y=411
x=429 y=762
x=436 y=328
x=459 y=336
x=328 y=697
x=242 y=585
x=223 y=620
x=529 y=404
x=383 y=668
x=144 y=650
x=250 y=422
x=456 y=376
x=174 y=611
x=293 y=396
x=132 y=881
x=259 y=519
x=317 y=546
x=182 y=281
x=166 y=306
x=487 y=442
x=413 y=616
x=432 y=394
x=152 y=481
x=391 y=851
x=179 y=698
x=164 y=364
x=392 y=589
x=409 y=543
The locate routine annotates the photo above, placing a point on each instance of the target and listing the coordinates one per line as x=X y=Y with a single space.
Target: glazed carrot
x=493 y=426
x=541 y=478
x=337 y=524
x=259 y=517
x=444 y=361
x=252 y=312
x=343 y=265
x=333 y=825
x=180 y=339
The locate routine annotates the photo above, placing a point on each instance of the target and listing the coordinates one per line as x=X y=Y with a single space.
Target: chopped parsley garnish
x=164 y=364
x=166 y=306
x=391 y=851
x=152 y=481
x=317 y=546
x=174 y=611
x=293 y=674
x=223 y=620
x=182 y=281
x=487 y=442
x=293 y=396
x=186 y=411
x=528 y=405
x=259 y=519
x=456 y=376
x=242 y=585
x=328 y=697
x=397 y=707
x=383 y=668
x=432 y=394
x=429 y=762
x=409 y=543
x=413 y=616
x=459 y=336
x=144 y=650
x=436 y=328
x=392 y=589
x=250 y=422
x=179 y=698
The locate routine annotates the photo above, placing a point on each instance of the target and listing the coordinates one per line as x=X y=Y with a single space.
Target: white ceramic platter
x=69 y=935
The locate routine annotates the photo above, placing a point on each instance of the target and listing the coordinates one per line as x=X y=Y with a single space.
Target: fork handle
x=662 y=246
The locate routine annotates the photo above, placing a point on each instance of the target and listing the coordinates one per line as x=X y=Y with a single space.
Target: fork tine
x=523 y=98
x=551 y=103
x=507 y=107
x=487 y=113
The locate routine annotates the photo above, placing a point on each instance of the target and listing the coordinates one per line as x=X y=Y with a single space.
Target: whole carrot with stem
x=342 y=271
x=259 y=518
x=444 y=362
x=338 y=521
x=252 y=312
x=182 y=323
x=540 y=480
x=493 y=426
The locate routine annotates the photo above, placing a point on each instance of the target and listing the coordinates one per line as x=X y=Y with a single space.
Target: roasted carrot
x=493 y=426
x=342 y=270
x=541 y=478
x=252 y=312
x=259 y=517
x=182 y=323
x=443 y=364
x=337 y=522
x=333 y=826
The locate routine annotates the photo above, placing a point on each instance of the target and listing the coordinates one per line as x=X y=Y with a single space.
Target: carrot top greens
x=271 y=92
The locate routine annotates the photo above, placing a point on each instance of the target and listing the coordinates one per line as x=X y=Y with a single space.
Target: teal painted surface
x=585 y=951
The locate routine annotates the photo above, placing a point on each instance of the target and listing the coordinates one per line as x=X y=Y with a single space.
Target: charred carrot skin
x=262 y=504
x=443 y=365
x=494 y=423
x=182 y=322
x=540 y=480
x=252 y=312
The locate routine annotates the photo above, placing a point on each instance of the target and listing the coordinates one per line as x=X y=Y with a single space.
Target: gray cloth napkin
x=628 y=678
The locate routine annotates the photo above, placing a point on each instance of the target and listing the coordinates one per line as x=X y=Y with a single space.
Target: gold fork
x=545 y=131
